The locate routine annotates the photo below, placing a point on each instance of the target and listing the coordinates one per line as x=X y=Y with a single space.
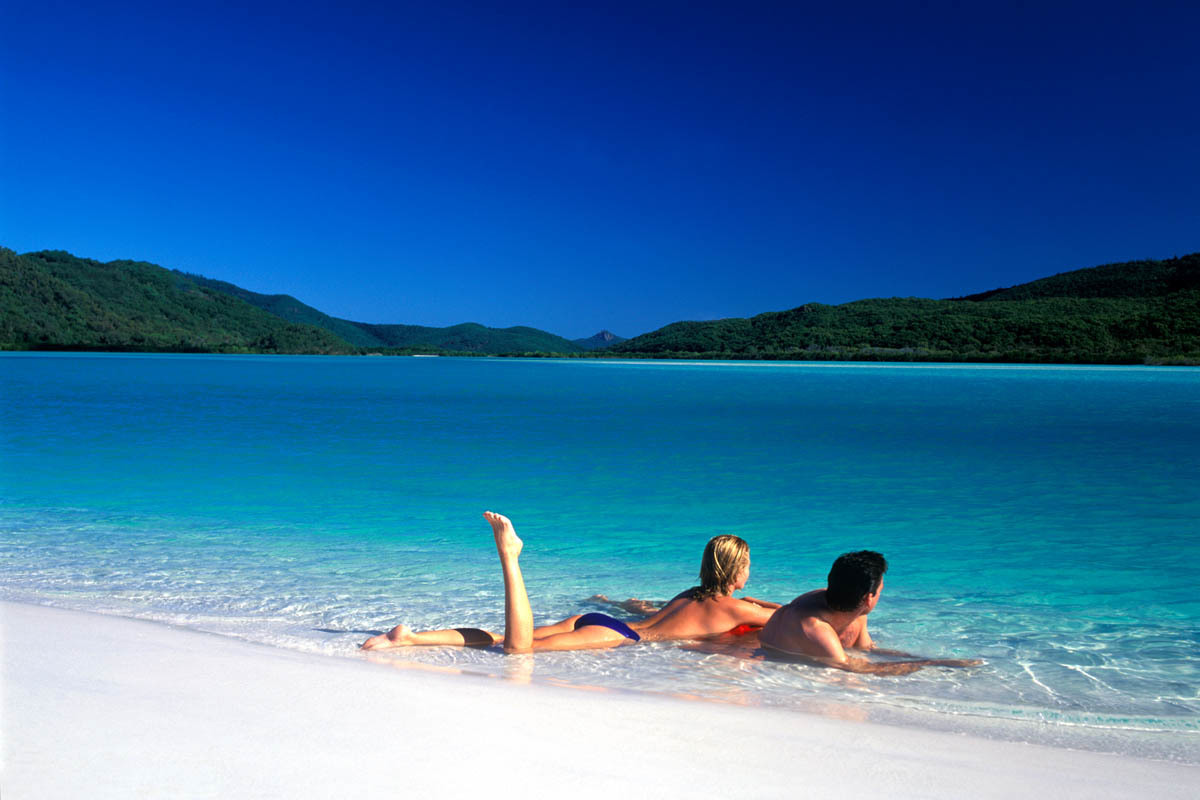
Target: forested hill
x=52 y=300
x=1127 y=280
x=289 y=308
x=1135 y=312
x=469 y=337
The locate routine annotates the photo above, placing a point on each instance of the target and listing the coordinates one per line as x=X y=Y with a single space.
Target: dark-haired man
x=821 y=625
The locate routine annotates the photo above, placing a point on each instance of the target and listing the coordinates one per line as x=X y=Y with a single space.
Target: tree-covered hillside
x=1141 y=311
x=471 y=337
x=291 y=309
x=1127 y=280
x=1119 y=313
x=53 y=300
x=467 y=337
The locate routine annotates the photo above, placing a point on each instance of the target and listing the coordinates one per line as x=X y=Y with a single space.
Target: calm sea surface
x=1046 y=519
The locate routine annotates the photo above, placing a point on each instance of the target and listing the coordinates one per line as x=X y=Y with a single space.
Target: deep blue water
x=1042 y=518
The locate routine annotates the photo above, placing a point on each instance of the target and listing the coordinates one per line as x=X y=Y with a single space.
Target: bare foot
x=508 y=544
x=399 y=636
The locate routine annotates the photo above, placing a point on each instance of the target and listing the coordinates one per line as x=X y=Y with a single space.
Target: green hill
x=1131 y=279
x=467 y=337
x=471 y=337
x=53 y=300
x=1140 y=311
x=1143 y=311
x=292 y=310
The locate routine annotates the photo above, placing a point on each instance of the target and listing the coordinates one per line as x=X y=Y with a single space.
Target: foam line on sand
x=99 y=707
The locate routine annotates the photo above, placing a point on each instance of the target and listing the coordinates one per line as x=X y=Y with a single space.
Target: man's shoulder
x=809 y=603
x=799 y=631
x=797 y=616
x=807 y=620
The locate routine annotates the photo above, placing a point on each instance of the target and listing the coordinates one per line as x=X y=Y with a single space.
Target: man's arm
x=865 y=642
x=809 y=639
x=824 y=639
x=883 y=651
x=865 y=667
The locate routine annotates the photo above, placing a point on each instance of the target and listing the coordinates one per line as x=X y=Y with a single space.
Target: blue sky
x=578 y=166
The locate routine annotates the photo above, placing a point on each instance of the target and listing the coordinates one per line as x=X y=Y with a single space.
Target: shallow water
x=1041 y=518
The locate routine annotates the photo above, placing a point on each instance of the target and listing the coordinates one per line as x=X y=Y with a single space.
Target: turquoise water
x=1041 y=518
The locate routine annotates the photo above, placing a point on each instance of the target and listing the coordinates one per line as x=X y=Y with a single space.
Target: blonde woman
x=704 y=610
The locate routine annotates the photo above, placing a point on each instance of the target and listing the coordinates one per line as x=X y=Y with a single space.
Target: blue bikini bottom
x=604 y=620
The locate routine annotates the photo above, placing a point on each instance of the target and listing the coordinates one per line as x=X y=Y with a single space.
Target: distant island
x=1138 y=312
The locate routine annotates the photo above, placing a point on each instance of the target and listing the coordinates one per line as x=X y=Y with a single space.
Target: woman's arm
x=754 y=613
x=763 y=603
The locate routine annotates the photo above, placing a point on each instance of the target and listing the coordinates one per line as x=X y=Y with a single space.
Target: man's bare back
x=806 y=626
x=823 y=624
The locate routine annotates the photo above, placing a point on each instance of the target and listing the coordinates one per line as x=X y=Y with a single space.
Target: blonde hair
x=724 y=557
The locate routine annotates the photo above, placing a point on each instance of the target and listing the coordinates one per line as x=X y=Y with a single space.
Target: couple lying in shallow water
x=818 y=626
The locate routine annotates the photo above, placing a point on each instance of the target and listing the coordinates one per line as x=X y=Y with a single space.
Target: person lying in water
x=705 y=610
x=821 y=625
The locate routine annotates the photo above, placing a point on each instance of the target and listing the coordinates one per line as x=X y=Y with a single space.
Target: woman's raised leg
x=518 y=616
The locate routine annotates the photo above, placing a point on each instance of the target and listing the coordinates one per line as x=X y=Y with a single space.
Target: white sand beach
x=97 y=706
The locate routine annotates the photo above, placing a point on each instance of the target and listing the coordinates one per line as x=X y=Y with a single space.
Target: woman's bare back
x=688 y=618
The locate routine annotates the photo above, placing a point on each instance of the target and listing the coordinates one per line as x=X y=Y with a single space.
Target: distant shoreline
x=853 y=357
x=1137 y=312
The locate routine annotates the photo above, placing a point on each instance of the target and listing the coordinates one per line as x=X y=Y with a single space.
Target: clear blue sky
x=578 y=166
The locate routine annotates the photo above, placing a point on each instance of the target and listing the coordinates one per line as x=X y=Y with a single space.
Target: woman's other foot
x=399 y=636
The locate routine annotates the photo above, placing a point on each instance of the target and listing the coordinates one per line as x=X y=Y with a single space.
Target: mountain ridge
x=1145 y=311
x=598 y=341
x=51 y=299
x=1131 y=312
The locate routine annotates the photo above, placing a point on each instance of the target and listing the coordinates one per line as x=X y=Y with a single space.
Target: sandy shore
x=97 y=707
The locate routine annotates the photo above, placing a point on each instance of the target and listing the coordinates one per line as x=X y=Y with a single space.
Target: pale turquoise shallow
x=1042 y=518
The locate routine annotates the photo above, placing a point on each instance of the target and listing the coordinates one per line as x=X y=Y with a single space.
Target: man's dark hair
x=853 y=576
